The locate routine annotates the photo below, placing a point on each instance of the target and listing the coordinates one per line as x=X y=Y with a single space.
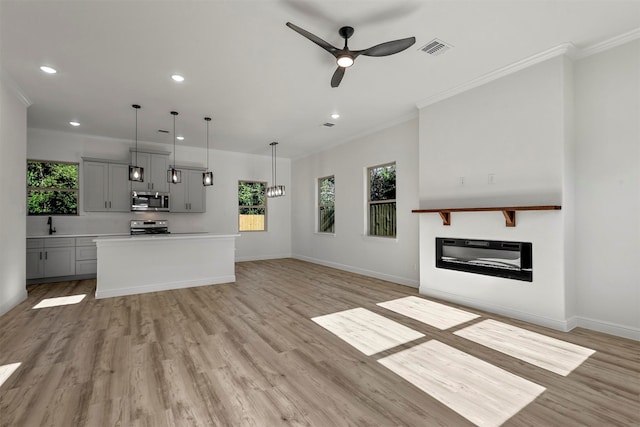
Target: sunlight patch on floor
x=540 y=350
x=479 y=391
x=367 y=331
x=55 y=302
x=432 y=313
x=7 y=370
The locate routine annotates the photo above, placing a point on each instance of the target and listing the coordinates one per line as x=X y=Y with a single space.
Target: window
x=252 y=209
x=326 y=204
x=52 y=188
x=382 y=200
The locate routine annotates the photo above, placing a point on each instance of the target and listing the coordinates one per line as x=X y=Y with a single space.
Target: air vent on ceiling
x=436 y=47
x=163 y=131
x=328 y=124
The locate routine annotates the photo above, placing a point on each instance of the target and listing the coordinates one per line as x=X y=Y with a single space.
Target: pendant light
x=274 y=190
x=136 y=173
x=174 y=175
x=207 y=177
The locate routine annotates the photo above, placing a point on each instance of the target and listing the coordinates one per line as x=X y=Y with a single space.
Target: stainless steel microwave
x=149 y=201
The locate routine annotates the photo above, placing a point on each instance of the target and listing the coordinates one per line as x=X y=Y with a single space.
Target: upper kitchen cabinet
x=189 y=195
x=106 y=186
x=155 y=166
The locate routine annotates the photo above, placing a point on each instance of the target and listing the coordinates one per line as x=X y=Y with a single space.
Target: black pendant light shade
x=136 y=173
x=207 y=177
x=174 y=175
x=275 y=190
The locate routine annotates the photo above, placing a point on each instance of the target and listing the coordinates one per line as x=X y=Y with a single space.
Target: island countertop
x=177 y=236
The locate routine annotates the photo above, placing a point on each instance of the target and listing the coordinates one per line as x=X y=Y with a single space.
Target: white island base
x=139 y=264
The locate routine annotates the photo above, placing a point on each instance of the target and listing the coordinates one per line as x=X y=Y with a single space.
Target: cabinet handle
x=109 y=205
x=45 y=255
x=105 y=204
x=40 y=255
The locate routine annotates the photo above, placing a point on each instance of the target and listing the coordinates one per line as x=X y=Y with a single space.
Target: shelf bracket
x=446 y=217
x=510 y=217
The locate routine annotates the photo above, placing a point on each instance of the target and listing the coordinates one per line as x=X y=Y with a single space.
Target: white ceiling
x=259 y=80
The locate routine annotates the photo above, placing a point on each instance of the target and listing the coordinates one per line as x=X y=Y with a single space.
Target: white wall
x=607 y=101
x=513 y=128
x=349 y=249
x=13 y=143
x=222 y=198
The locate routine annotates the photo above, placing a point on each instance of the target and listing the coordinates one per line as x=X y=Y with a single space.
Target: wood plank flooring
x=248 y=354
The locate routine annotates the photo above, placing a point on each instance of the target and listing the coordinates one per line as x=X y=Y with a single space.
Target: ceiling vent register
x=436 y=47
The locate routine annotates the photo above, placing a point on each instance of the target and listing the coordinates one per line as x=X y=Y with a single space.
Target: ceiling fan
x=345 y=57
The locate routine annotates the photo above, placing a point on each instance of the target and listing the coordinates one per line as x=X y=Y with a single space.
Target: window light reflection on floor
x=6 y=371
x=54 y=302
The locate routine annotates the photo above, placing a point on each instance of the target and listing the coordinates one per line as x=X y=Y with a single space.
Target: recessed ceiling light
x=177 y=77
x=48 y=70
x=180 y=138
x=74 y=123
x=335 y=116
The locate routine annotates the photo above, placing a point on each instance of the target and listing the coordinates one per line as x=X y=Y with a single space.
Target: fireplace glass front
x=512 y=260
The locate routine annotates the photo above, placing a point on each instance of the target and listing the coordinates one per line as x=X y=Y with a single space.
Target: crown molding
x=14 y=88
x=563 y=49
x=607 y=44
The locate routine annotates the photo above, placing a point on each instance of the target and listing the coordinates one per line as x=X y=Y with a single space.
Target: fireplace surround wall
x=511 y=260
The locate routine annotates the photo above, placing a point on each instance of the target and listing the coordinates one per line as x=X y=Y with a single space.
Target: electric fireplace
x=511 y=260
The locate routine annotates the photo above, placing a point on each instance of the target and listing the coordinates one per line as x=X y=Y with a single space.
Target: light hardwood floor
x=248 y=354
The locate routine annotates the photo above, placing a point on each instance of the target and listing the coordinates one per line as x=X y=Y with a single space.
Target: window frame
x=264 y=184
x=63 y=189
x=375 y=202
x=320 y=205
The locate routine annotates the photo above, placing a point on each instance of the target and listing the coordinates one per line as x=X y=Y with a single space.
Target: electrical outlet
x=491 y=178
x=461 y=180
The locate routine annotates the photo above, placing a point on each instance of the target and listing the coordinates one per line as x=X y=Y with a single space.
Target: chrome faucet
x=51 y=227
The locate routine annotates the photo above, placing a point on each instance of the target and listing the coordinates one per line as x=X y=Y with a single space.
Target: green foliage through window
x=326 y=204
x=52 y=188
x=382 y=200
x=252 y=209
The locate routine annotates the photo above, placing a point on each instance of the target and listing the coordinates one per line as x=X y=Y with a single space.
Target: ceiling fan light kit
x=346 y=57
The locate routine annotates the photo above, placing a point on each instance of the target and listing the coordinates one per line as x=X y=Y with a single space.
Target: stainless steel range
x=158 y=226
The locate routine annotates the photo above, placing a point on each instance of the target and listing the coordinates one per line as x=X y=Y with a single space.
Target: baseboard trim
x=370 y=273
x=609 y=328
x=557 y=324
x=168 y=286
x=6 y=306
x=261 y=257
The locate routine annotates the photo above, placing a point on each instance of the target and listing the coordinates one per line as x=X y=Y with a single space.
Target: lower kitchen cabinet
x=51 y=258
x=86 y=256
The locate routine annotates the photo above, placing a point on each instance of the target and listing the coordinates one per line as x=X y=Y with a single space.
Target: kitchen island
x=150 y=263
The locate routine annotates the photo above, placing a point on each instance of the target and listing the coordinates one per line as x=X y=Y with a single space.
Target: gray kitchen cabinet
x=35 y=263
x=51 y=258
x=189 y=195
x=86 y=256
x=155 y=165
x=106 y=186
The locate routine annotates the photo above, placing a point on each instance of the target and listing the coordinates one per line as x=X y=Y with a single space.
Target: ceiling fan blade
x=317 y=40
x=388 y=48
x=337 y=77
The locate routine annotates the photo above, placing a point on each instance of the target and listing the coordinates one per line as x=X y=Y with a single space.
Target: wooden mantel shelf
x=509 y=212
